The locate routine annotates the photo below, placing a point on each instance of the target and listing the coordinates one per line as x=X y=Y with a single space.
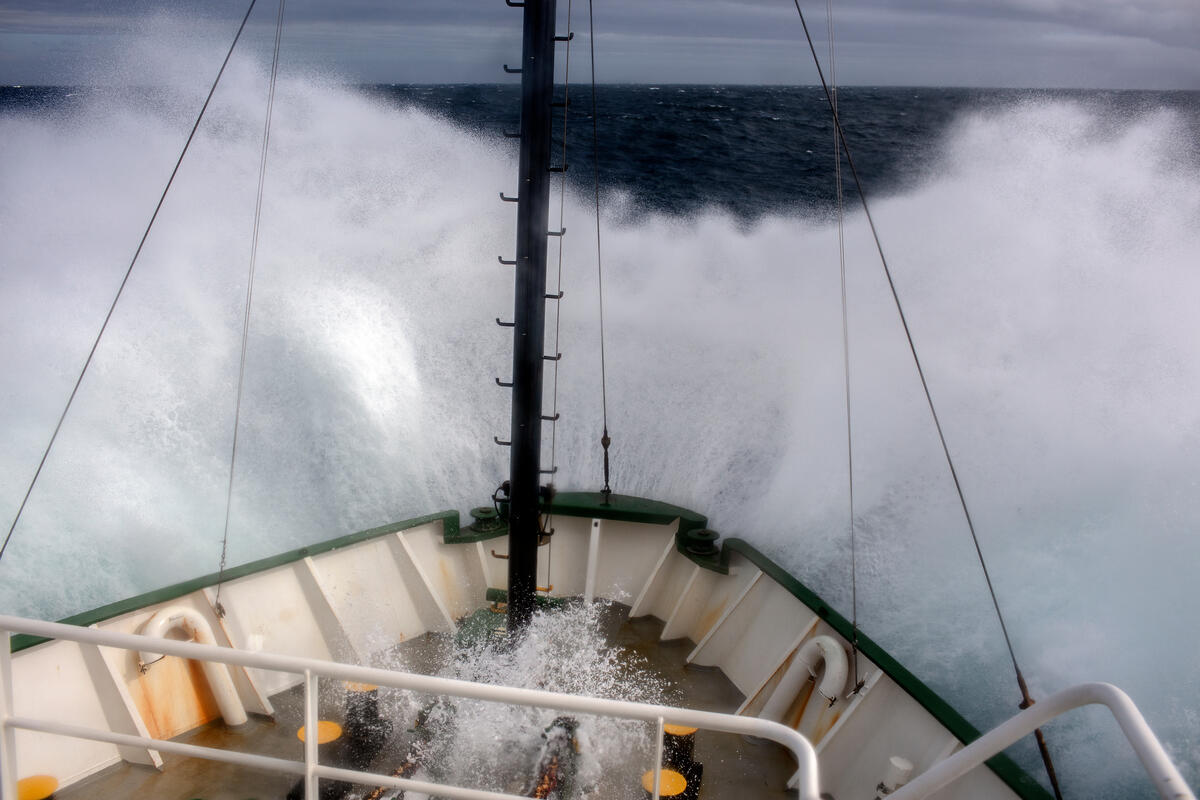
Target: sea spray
x=1047 y=264
x=495 y=746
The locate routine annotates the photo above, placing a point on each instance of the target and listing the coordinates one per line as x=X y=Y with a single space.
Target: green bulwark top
x=692 y=540
x=449 y=526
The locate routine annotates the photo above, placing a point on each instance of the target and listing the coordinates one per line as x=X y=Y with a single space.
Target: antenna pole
x=533 y=212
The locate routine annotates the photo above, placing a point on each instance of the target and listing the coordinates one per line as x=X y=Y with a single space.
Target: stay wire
x=562 y=200
x=841 y=134
x=237 y=414
x=912 y=348
x=837 y=171
x=125 y=280
x=605 y=439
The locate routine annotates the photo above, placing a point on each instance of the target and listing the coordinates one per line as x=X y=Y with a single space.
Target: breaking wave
x=1047 y=266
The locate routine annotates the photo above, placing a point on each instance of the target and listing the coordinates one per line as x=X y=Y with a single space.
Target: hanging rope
x=1026 y=700
x=121 y=289
x=237 y=413
x=605 y=439
x=837 y=172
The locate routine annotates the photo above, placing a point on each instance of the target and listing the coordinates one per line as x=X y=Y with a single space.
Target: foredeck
x=728 y=609
x=733 y=765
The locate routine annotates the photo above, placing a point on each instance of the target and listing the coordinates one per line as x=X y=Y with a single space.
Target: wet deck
x=734 y=766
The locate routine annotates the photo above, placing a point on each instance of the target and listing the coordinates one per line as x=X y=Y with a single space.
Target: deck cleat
x=671 y=784
x=37 y=787
x=327 y=731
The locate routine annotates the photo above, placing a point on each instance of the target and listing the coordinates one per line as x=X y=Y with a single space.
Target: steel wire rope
x=837 y=172
x=1026 y=700
x=237 y=413
x=605 y=439
x=125 y=280
x=562 y=197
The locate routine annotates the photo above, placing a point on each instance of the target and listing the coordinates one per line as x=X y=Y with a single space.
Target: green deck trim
x=1005 y=768
x=617 y=507
x=492 y=528
x=465 y=535
x=449 y=521
x=626 y=508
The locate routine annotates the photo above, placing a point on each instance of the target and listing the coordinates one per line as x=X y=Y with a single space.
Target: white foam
x=1048 y=268
x=495 y=746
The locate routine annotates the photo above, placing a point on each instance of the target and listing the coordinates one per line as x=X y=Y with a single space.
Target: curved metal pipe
x=1163 y=774
x=196 y=628
x=805 y=779
x=817 y=650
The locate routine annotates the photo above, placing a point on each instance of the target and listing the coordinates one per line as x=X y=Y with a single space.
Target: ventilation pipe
x=196 y=628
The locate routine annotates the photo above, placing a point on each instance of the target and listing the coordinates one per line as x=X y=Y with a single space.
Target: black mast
x=537 y=94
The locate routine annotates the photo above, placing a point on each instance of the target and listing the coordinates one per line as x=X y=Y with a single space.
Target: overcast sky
x=1019 y=43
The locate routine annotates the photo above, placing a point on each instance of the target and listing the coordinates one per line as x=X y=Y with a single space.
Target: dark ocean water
x=747 y=150
x=752 y=150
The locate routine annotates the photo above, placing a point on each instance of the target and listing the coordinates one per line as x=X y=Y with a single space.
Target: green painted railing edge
x=449 y=521
x=623 y=508
x=617 y=507
x=465 y=535
x=627 y=508
x=1005 y=768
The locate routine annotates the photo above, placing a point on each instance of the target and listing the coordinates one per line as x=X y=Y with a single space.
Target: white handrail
x=311 y=668
x=1165 y=776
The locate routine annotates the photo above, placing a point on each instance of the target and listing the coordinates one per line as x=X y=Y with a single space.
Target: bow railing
x=313 y=670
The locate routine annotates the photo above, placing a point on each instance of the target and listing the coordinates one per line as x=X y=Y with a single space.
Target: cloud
x=1084 y=43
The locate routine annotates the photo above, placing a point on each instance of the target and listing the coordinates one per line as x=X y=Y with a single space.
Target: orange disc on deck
x=353 y=686
x=36 y=787
x=327 y=731
x=672 y=783
x=678 y=730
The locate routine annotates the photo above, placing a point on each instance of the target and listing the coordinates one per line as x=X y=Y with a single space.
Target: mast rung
x=511 y=4
x=550 y=471
x=558 y=296
x=510 y=70
x=557 y=233
x=505 y=324
x=553 y=358
x=505 y=262
x=566 y=38
x=505 y=197
x=501 y=383
x=563 y=168
x=551 y=419
x=501 y=442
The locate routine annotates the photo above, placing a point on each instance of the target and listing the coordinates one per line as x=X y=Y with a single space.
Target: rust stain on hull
x=710 y=619
x=800 y=704
x=825 y=726
x=173 y=697
x=449 y=587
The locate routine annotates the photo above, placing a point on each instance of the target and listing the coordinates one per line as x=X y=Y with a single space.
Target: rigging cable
x=125 y=280
x=605 y=439
x=562 y=200
x=1026 y=700
x=237 y=414
x=837 y=172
